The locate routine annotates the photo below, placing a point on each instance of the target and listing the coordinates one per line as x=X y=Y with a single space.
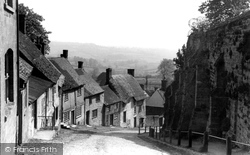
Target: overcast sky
x=122 y=23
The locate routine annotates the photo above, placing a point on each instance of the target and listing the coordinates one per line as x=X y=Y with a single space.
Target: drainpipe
x=19 y=105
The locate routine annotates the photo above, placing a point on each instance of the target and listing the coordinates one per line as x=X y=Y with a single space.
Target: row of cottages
x=155 y=106
x=93 y=98
x=211 y=92
x=40 y=84
x=129 y=109
x=72 y=106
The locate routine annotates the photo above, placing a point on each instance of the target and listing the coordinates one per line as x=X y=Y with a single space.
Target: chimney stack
x=65 y=54
x=80 y=64
x=131 y=72
x=22 y=23
x=164 y=84
x=108 y=75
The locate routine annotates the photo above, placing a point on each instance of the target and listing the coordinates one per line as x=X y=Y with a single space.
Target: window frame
x=9 y=6
x=98 y=98
x=9 y=76
x=94 y=113
x=79 y=92
x=66 y=97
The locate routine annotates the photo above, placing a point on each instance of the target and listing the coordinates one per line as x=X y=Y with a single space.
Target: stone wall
x=226 y=51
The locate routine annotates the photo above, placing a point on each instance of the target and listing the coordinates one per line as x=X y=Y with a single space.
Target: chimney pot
x=22 y=23
x=131 y=72
x=80 y=64
x=108 y=75
x=65 y=54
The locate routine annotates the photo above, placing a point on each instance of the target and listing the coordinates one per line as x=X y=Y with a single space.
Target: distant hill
x=120 y=58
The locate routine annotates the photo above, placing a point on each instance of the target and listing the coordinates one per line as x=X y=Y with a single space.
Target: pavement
x=215 y=147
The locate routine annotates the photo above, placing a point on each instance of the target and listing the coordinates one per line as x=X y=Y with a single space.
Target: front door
x=134 y=121
x=87 y=117
x=111 y=119
x=72 y=117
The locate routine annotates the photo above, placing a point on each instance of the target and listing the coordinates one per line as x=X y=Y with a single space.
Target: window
x=9 y=3
x=8 y=6
x=94 y=113
x=134 y=109
x=9 y=83
x=124 y=116
x=79 y=111
x=140 y=108
x=90 y=100
x=66 y=97
x=108 y=108
x=66 y=115
x=79 y=92
x=98 y=98
x=115 y=106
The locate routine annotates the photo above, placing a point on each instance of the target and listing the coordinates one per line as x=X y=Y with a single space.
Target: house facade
x=93 y=98
x=112 y=107
x=9 y=72
x=72 y=92
x=40 y=84
x=155 y=106
x=133 y=106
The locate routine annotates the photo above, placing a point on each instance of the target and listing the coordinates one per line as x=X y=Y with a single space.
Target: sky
x=119 y=23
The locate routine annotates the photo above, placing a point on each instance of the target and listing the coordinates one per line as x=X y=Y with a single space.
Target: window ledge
x=8 y=8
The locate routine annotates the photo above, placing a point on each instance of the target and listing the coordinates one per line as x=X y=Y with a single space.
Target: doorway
x=134 y=121
x=72 y=117
x=87 y=117
x=111 y=119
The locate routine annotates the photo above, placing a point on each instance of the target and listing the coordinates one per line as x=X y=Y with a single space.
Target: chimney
x=22 y=23
x=108 y=75
x=65 y=54
x=131 y=72
x=80 y=63
x=164 y=84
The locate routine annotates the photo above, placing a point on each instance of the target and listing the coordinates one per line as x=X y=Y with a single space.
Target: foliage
x=217 y=11
x=166 y=68
x=34 y=28
x=179 y=60
x=199 y=24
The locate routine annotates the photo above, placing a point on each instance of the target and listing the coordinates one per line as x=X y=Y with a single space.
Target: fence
x=159 y=133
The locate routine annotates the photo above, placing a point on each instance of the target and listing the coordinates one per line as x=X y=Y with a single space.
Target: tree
x=34 y=28
x=166 y=68
x=217 y=11
x=179 y=61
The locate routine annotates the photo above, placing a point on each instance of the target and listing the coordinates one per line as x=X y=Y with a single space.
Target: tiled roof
x=72 y=79
x=24 y=69
x=126 y=87
x=157 y=99
x=34 y=55
x=37 y=87
x=91 y=86
x=109 y=96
